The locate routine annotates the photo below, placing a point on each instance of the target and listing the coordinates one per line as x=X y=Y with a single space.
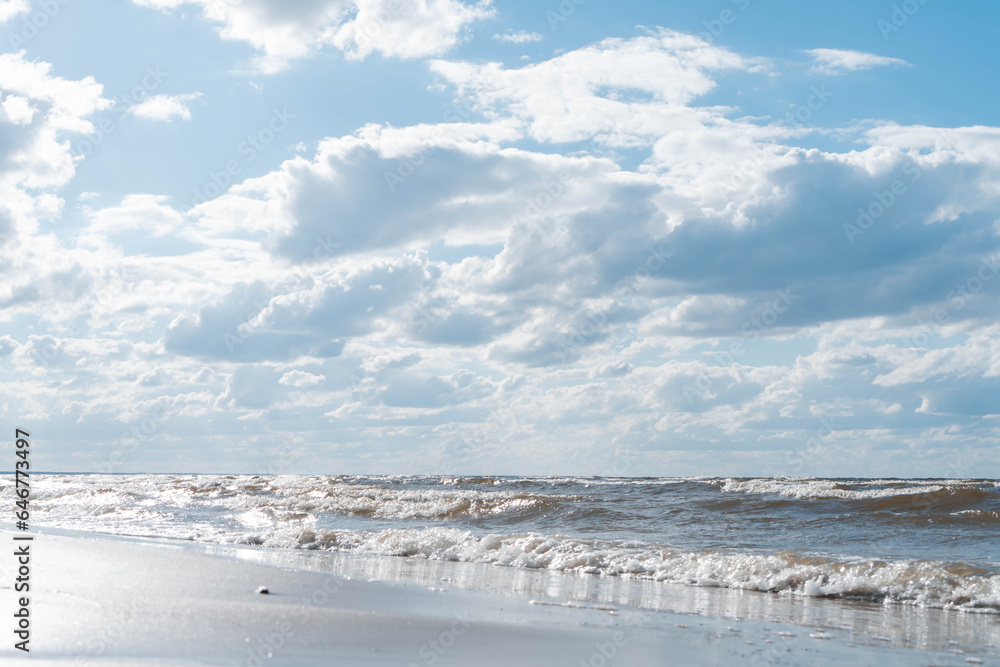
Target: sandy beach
x=107 y=601
x=491 y=333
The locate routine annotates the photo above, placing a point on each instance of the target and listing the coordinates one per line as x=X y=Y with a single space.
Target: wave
x=579 y=524
x=946 y=585
x=517 y=499
x=947 y=496
x=97 y=495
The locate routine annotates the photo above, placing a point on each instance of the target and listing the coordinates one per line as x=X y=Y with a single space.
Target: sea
x=933 y=543
x=915 y=562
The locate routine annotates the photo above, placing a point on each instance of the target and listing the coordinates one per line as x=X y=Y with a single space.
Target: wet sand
x=105 y=601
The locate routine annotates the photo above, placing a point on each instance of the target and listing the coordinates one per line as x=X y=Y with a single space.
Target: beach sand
x=97 y=600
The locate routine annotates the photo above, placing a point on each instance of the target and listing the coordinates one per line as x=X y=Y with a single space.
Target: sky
x=730 y=237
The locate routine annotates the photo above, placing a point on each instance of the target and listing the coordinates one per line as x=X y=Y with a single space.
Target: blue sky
x=735 y=237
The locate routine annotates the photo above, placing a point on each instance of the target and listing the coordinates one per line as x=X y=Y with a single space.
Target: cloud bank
x=596 y=263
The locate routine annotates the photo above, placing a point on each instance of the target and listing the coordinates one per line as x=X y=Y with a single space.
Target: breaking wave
x=763 y=534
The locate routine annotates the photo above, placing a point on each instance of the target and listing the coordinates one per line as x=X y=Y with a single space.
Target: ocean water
x=927 y=543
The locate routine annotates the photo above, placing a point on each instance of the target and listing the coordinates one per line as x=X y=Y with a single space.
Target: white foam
x=282 y=512
x=827 y=488
x=925 y=583
x=293 y=495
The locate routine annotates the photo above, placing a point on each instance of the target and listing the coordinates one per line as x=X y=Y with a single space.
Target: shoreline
x=100 y=599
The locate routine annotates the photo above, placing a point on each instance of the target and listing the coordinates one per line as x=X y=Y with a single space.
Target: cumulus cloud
x=613 y=369
x=598 y=238
x=283 y=32
x=165 y=108
x=841 y=61
x=619 y=91
x=11 y=8
x=301 y=379
x=39 y=114
x=707 y=275
x=18 y=110
x=723 y=287
x=260 y=321
x=393 y=188
x=39 y=110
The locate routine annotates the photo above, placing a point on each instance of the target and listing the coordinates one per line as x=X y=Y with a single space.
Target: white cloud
x=640 y=93
x=385 y=202
x=621 y=92
x=146 y=212
x=408 y=286
x=411 y=31
x=613 y=369
x=69 y=102
x=840 y=61
x=165 y=108
x=18 y=110
x=283 y=32
x=579 y=226
x=519 y=37
x=11 y=8
x=301 y=379
x=41 y=114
